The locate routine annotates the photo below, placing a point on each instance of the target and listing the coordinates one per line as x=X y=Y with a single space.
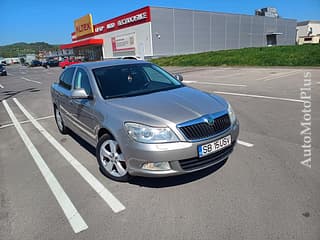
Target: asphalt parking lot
x=267 y=189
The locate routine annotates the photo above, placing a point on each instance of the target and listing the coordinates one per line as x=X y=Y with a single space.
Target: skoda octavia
x=142 y=120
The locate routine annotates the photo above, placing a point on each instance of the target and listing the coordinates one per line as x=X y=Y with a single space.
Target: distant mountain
x=20 y=49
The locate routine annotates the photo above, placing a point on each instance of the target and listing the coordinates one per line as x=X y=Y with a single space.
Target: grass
x=303 y=55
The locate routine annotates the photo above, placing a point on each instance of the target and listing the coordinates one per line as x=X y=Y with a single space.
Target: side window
x=66 y=78
x=82 y=81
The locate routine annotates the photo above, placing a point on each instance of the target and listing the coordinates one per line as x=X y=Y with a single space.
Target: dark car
x=35 y=63
x=3 y=71
x=50 y=63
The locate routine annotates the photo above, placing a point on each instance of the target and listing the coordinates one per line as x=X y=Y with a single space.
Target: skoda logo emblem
x=209 y=120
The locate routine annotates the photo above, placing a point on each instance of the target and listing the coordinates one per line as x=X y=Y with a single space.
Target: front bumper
x=182 y=156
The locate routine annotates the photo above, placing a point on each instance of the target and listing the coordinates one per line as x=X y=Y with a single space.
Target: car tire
x=110 y=159
x=5 y=74
x=59 y=121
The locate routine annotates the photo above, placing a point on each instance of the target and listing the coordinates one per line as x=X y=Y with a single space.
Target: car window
x=66 y=78
x=156 y=75
x=82 y=81
x=133 y=79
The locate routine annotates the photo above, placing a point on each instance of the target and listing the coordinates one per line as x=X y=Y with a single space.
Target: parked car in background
x=50 y=63
x=142 y=120
x=35 y=63
x=67 y=62
x=3 y=71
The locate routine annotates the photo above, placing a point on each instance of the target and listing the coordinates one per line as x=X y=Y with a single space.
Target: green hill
x=20 y=49
x=305 y=55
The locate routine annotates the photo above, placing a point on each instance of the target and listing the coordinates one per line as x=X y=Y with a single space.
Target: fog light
x=156 y=166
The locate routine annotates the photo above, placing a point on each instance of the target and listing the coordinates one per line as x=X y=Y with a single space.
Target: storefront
x=155 y=31
x=88 y=50
x=125 y=36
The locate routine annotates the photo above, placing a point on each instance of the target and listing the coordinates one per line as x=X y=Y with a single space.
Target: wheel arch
x=103 y=131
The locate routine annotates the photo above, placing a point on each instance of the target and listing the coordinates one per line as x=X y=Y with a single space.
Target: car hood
x=167 y=107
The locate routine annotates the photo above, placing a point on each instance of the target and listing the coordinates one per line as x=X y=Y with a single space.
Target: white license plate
x=212 y=147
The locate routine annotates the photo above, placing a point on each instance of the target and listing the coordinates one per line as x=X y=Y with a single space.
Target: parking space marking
x=260 y=96
x=101 y=190
x=228 y=76
x=246 y=144
x=10 y=74
x=30 y=80
x=216 y=83
x=26 y=121
x=1 y=86
x=280 y=75
x=76 y=221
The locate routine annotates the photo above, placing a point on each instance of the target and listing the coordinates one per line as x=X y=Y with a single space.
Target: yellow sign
x=83 y=25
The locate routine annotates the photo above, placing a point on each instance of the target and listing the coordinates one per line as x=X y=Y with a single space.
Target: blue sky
x=52 y=21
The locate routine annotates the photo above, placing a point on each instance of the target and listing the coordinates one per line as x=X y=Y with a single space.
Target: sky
x=52 y=21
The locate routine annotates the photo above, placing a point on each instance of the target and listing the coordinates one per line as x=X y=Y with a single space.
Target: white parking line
x=228 y=76
x=27 y=121
x=9 y=74
x=104 y=193
x=260 y=96
x=246 y=144
x=216 y=83
x=76 y=221
x=1 y=86
x=284 y=75
x=277 y=76
x=30 y=80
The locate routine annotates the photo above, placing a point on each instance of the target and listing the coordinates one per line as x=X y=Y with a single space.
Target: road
x=51 y=187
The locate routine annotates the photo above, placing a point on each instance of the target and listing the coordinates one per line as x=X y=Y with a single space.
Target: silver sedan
x=142 y=120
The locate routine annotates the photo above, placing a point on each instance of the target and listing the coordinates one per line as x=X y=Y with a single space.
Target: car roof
x=109 y=63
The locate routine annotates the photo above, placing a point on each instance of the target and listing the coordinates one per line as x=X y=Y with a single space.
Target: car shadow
x=160 y=182
x=82 y=142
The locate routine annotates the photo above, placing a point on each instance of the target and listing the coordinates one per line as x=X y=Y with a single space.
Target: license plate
x=212 y=147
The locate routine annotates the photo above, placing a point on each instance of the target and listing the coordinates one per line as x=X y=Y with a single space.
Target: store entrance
x=89 y=53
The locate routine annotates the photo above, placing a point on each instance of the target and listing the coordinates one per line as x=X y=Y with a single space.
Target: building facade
x=308 y=32
x=157 y=31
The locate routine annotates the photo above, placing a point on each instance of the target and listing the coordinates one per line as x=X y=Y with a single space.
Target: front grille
x=198 y=163
x=205 y=130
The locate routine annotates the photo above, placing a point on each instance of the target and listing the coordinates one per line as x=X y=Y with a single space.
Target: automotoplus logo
x=306 y=133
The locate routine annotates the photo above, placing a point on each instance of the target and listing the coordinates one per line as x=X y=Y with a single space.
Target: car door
x=83 y=109
x=64 y=92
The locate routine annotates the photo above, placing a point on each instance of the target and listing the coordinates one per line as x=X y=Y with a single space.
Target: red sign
x=136 y=17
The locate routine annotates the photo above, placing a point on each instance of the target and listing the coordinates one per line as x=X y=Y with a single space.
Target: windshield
x=133 y=80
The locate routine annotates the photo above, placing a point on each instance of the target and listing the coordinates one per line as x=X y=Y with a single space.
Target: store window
x=89 y=53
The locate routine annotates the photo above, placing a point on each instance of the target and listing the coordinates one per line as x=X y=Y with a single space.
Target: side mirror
x=179 y=77
x=80 y=93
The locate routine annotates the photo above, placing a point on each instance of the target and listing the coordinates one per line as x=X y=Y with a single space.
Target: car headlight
x=147 y=134
x=232 y=115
